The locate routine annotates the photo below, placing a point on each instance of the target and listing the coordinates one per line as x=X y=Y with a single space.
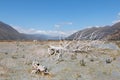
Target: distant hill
x=34 y=36
x=116 y=34
x=7 y=32
x=105 y=33
x=94 y=33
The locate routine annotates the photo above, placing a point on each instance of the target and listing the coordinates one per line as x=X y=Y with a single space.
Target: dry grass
x=16 y=62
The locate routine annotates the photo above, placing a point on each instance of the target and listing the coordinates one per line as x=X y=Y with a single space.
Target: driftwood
x=56 y=50
x=75 y=45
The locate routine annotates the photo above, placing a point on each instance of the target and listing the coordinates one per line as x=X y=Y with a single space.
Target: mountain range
x=98 y=33
x=7 y=32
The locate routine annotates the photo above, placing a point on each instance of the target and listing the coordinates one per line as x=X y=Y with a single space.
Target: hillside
x=8 y=33
x=94 y=33
x=116 y=34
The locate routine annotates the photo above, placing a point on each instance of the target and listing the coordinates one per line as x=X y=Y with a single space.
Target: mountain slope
x=116 y=34
x=8 y=33
x=106 y=32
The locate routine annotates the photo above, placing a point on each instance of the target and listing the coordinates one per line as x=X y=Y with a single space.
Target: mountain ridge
x=98 y=33
x=7 y=32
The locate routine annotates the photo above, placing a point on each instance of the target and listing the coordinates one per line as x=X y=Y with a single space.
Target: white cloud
x=19 y=29
x=118 y=19
x=93 y=26
x=114 y=22
x=119 y=14
x=97 y=26
x=46 y=32
x=57 y=25
x=67 y=23
x=62 y=24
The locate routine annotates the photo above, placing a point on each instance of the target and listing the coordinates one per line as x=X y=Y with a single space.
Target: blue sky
x=51 y=16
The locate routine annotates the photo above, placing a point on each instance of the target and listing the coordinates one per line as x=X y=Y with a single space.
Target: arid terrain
x=97 y=61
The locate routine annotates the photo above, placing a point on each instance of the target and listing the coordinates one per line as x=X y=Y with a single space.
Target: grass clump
x=82 y=62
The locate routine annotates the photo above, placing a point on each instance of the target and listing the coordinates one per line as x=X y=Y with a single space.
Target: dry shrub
x=82 y=62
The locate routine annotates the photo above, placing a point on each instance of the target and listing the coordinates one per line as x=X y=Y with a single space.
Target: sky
x=58 y=16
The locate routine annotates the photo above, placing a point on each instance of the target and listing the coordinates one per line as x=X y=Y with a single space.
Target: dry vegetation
x=82 y=60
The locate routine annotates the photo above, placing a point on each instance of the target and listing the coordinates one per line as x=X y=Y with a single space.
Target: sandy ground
x=16 y=62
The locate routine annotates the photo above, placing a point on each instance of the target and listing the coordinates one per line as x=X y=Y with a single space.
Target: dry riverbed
x=95 y=64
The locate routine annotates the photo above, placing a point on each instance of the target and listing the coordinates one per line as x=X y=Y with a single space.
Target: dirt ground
x=95 y=64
